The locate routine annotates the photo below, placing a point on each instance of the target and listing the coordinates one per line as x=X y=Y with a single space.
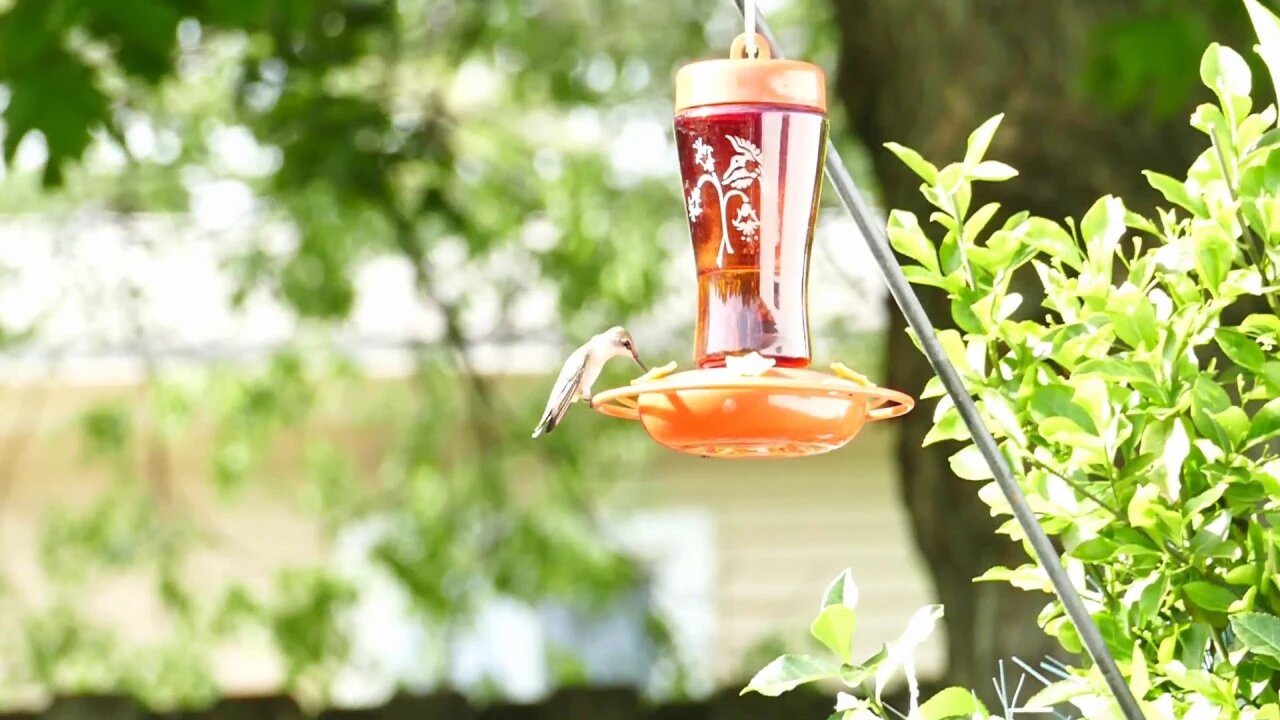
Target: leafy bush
x=1140 y=411
x=834 y=628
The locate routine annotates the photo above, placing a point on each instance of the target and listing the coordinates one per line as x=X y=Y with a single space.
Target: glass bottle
x=751 y=138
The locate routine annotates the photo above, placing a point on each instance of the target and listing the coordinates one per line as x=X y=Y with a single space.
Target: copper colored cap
x=751 y=80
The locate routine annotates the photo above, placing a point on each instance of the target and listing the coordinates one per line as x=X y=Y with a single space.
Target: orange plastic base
x=782 y=412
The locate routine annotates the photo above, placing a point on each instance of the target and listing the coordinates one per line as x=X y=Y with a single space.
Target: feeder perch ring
x=782 y=412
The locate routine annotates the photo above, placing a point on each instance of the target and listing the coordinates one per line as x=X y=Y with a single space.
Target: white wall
x=741 y=549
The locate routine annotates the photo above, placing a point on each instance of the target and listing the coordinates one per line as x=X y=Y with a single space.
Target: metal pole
x=872 y=230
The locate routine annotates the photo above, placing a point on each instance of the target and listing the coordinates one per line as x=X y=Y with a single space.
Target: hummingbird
x=580 y=372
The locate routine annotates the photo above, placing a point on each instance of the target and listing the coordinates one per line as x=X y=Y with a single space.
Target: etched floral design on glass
x=742 y=172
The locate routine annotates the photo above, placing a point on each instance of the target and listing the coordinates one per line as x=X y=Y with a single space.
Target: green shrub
x=1140 y=411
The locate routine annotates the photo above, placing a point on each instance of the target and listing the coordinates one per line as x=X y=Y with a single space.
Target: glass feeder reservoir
x=751 y=136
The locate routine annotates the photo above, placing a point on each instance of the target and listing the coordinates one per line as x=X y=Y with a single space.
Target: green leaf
x=949 y=426
x=1101 y=229
x=1208 y=401
x=858 y=674
x=908 y=238
x=1259 y=632
x=834 y=628
x=841 y=591
x=953 y=702
x=1267 y=27
x=1058 y=693
x=1138 y=375
x=1192 y=643
x=1266 y=422
x=82 y=108
x=1208 y=396
x=1137 y=222
x=1051 y=239
x=1177 y=447
x=997 y=406
x=1215 y=254
x=1208 y=118
x=144 y=33
x=1026 y=577
x=1139 y=675
x=1223 y=71
x=921 y=625
x=1142 y=509
x=789 y=672
x=1260 y=323
x=1115 y=636
x=917 y=275
x=992 y=171
x=953 y=343
x=1243 y=351
x=980 y=140
x=1134 y=318
x=1067 y=433
x=1058 y=401
x=1194 y=680
x=1151 y=599
x=1069 y=638
x=1242 y=575
x=1210 y=536
x=1271 y=375
x=1208 y=596
x=912 y=159
x=837 y=619
x=968 y=464
x=1234 y=424
x=1176 y=192
x=978 y=221
x=1095 y=550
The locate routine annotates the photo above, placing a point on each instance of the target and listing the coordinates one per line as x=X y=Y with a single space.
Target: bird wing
x=562 y=394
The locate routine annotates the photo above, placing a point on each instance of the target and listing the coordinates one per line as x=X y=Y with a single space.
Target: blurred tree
x=1095 y=91
x=444 y=135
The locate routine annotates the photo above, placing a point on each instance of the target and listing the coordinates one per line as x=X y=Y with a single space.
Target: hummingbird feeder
x=767 y=116
x=751 y=135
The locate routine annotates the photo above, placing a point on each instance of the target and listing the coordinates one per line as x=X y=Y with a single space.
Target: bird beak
x=636 y=356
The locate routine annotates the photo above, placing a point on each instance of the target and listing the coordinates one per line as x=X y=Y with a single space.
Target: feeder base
x=759 y=449
x=779 y=413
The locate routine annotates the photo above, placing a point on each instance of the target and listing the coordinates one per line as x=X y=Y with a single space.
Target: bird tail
x=546 y=425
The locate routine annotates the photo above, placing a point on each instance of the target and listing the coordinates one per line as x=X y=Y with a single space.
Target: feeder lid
x=740 y=79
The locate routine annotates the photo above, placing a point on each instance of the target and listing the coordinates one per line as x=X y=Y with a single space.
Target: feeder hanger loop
x=873 y=233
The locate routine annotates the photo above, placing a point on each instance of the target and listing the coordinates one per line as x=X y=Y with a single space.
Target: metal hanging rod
x=873 y=233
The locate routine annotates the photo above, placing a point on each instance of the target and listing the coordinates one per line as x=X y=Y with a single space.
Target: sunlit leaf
x=912 y=159
x=1176 y=192
x=1224 y=71
x=1259 y=632
x=1209 y=596
x=834 y=628
x=992 y=171
x=1267 y=27
x=952 y=702
x=980 y=140
x=789 y=672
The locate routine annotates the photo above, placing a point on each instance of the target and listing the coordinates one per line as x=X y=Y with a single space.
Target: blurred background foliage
x=508 y=140
x=485 y=133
